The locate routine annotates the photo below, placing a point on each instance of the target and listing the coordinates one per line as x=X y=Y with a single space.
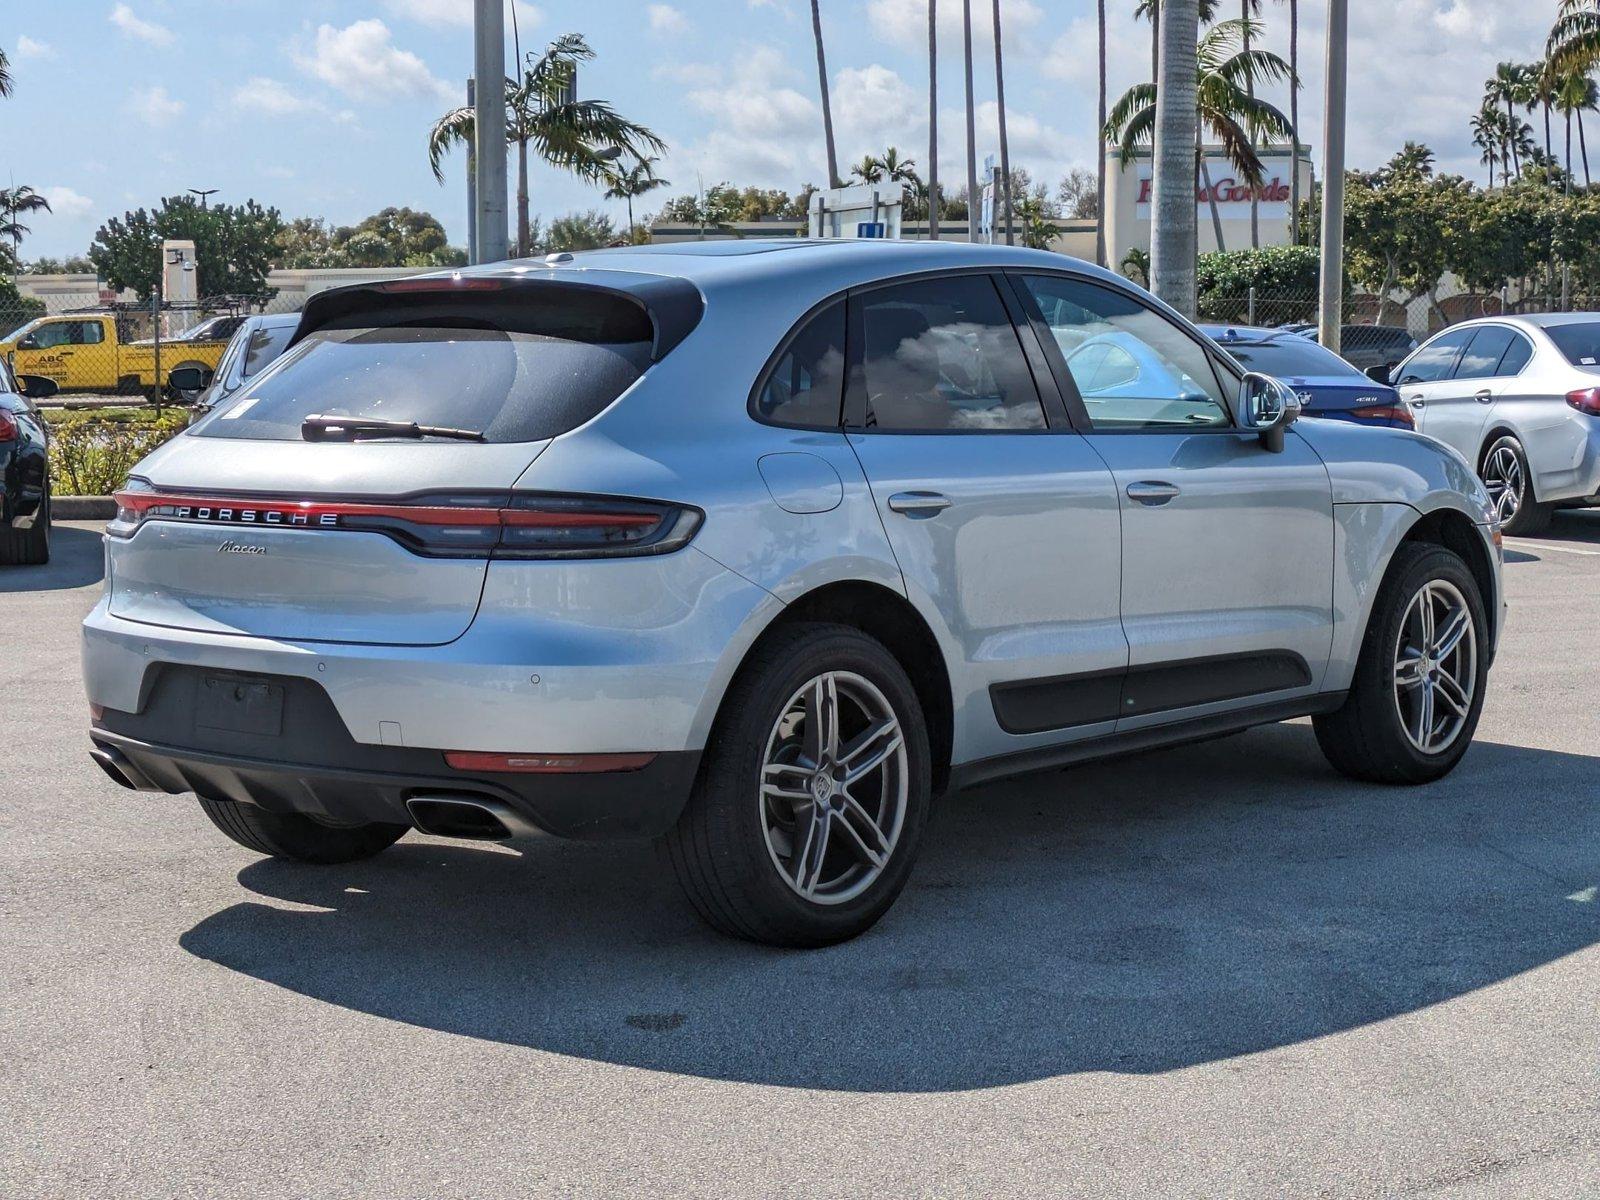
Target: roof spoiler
x=672 y=305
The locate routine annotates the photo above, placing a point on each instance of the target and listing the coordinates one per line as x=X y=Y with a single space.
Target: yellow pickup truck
x=87 y=352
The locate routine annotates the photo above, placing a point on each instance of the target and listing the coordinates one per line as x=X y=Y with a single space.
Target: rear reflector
x=545 y=764
x=1395 y=414
x=1586 y=400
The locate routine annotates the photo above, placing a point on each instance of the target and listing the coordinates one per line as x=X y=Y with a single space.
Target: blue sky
x=321 y=107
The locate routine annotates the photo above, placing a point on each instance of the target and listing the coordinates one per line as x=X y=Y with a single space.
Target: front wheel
x=813 y=796
x=1419 y=683
x=297 y=837
x=1509 y=482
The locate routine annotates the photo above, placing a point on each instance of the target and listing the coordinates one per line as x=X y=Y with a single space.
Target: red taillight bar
x=1386 y=412
x=310 y=513
x=1586 y=400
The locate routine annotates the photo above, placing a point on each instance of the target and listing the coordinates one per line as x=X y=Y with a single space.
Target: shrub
x=92 y=450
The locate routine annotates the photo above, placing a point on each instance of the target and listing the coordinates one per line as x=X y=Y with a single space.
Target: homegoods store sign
x=1232 y=194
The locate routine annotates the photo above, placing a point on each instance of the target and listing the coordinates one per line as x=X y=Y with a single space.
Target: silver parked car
x=254 y=346
x=756 y=547
x=1519 y=397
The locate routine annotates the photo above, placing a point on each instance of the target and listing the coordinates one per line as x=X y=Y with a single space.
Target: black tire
x=1530 y=517
x=296 y=837
x=719 y=849
x=28 y=547
x=1365 y=739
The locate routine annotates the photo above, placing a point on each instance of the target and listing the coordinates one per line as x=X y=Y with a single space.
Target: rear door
x=999 y=514
x=1227 y=548
x=258 y=522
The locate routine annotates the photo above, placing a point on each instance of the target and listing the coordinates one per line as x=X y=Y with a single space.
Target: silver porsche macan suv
x=756 y=547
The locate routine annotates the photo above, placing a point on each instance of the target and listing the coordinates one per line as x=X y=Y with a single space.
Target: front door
x=1458 y=407
x=1000 y=516
x=1425 y=379
x=1227 y=548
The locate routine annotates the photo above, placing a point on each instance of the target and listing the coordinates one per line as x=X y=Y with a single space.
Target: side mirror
x=31 y=342
x=1267 y=407
x=189 y=379
x=37 y=387
x=1383 y=374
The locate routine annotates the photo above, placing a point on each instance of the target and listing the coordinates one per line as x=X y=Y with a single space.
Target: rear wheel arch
x=893 y=621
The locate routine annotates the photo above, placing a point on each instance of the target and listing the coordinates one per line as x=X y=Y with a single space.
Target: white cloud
x=362 y=61
x=133 y=26
x=666 y=19
x=454 y=12
x=905 y=23
x=154 y=106
x=66 y=202
x=761 y=130
x=271 y=98
x=28 y=47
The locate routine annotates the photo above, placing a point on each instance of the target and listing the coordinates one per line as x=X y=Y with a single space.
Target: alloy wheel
x=1502 y=477
x=1435 y=667
x=834 y=787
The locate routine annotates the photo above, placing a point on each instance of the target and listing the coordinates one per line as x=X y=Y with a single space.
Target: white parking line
x=1520 y=545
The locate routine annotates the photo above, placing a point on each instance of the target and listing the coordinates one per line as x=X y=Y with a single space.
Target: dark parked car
x=1367 y=346
x=1327 y=385
x=24 y=472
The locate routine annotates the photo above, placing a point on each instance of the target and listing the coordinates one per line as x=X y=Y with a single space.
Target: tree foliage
x=234 y=243
x=393 y=237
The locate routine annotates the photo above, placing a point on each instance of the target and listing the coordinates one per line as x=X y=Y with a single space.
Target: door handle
x=1483 y=397
x=1151 y=492
x=918 y=504
x=1417 y=402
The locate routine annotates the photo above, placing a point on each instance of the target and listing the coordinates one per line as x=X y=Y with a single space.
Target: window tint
x=1517 y=356
x=1579 y=342
x=942 y=354
x=1165 y=378
x=1481 y=358
x=1435 y=360
x=1292 y=356
x=806 y=385
x=56 y=333
x=265 y=346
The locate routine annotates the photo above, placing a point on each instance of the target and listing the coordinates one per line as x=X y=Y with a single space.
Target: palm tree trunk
x=933 y=120
x=973 y=201
x=1250 y=90
x=1211 y=192
x=1155 y=42
x=827 y=108
x=1511 y=136
x=1100 y=171
x=1005 y=144
x=631 y=236
x=1569 y=153
x=1172 y=256
x=522 y=197
x=1549 y=154
x=1583 y=146
x=1294 y=122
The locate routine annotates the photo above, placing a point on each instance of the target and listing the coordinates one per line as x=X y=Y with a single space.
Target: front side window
x=1437 y=359
x=57 y=333
x=805 y=387
x=1133 y=368
x=942 y=355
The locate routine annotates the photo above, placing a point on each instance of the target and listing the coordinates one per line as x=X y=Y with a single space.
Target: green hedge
x=92 y=450
x=1284 y=277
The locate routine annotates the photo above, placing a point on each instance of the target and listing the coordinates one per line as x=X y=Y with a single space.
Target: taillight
x=8 y=426
x=1395 y=414
x=523 y=526
x=1586 y=400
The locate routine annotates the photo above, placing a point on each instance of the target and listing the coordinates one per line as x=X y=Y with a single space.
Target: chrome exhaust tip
x=118 y=766
x=471 y=818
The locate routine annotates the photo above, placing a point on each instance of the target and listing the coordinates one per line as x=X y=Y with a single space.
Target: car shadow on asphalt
x=77 y=560
x=1572 y=525
x=1137 y=916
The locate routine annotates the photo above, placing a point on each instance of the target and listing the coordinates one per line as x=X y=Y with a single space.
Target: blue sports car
x=1328 y=386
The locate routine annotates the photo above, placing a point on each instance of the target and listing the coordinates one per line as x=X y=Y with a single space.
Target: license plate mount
x=238 y=704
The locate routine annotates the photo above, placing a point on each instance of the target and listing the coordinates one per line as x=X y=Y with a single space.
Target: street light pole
x=1330 y=314
x=972 y=133
x=203 y=193
x=489 y=123
x=472 y=184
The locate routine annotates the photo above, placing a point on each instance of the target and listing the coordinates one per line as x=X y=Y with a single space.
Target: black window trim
x=1400 y=371
x=764 y=377
x=1068 y=386
x=1057 y=420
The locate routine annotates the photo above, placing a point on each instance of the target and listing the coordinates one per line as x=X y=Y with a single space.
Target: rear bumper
x=312 y=766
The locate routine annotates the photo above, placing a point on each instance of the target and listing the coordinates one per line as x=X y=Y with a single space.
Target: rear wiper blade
x=350 y=429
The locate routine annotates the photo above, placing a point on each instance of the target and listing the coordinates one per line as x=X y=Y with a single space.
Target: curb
x=82 y=508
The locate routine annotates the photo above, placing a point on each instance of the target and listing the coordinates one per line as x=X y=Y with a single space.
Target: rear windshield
x=1290 y=357
x=1579 y=342
x=510 y=385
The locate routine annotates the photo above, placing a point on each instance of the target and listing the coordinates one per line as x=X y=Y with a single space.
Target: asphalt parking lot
x=1213 y=970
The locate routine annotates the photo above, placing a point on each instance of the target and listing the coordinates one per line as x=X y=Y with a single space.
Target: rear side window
x=1518 y=355
x=942 y=355
x=514 y=372
x=805 y=387
x=1578 y=342
x=1481 y=358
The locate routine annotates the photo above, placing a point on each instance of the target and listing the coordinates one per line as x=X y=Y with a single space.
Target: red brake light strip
x=310 y=513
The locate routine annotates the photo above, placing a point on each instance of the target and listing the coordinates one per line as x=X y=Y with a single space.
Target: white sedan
x=1519 y=397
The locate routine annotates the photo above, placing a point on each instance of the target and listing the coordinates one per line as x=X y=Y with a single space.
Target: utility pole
x=472 y=184
x=1005 y=141
x=972 y=132
x=1330 y=315
x=489 y=121
x=933 y=120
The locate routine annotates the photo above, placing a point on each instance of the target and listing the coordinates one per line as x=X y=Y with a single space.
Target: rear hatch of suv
x=358 y=489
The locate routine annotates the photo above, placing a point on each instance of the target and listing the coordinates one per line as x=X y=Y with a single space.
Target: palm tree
x=1150 y=10
x=1294 y=121
x=5 y=74
x=1226 y=109
x=1576 y=96
x=1100 y=129
x=889 y=168
x=581 y=136
x=14 y=201
x=1508 y=86
x=1486 y=136
x=1005 y=141
x=1414 y=158
x=628 y=182
x=1540 y=94
x=827 y=107
x=1574 y=42
x=1247 y=10
x=1174 y=130
x=933 y=120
